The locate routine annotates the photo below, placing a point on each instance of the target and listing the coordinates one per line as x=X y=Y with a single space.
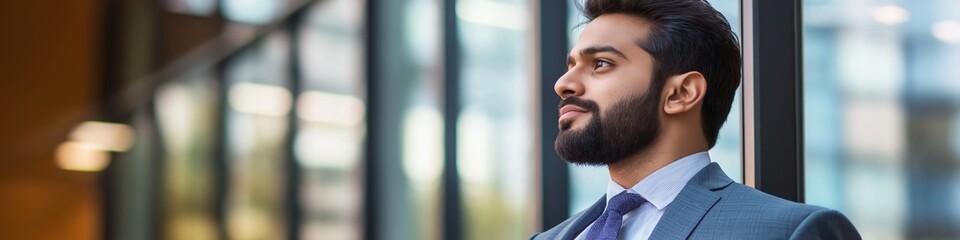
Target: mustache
x=579 y=102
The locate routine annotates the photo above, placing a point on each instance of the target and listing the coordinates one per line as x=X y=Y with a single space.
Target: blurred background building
x=422 y=119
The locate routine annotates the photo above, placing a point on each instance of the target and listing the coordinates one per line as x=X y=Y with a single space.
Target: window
x=331 y=110
x=186 y=118
x=882 y=125
x=259 y=102
x=495 y=125
x=409 y=144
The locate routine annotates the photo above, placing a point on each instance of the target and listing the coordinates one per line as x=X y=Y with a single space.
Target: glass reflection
x=136 y=178
x=331 y=111
x=256 y=121
x=186 y=112
x=418 y=75
x=881 y=115
x=254 y=11
x=494 y=128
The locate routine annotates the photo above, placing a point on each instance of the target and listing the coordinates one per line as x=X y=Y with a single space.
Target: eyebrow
x=598 y=49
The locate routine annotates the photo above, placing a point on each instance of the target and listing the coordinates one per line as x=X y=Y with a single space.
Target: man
x=648 y=86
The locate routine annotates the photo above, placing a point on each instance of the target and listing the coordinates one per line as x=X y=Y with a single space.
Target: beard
x=628 y=127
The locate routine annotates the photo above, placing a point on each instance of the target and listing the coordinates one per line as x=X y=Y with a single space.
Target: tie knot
x=625 y=202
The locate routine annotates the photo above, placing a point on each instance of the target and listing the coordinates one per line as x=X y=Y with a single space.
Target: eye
x=602 y=63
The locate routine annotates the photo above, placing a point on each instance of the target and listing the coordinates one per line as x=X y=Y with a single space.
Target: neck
x=628 y=172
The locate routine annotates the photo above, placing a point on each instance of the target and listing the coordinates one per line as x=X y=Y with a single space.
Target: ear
x=683 y=92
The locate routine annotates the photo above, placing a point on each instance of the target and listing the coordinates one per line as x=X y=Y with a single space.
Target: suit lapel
x=693 y=202
x=585 y=219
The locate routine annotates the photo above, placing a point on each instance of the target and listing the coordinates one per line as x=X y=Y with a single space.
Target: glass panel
x=409 y=139
x=256 y=119
x=411 y=122
x=135 y=182
x=186 y=112
x=495 y=125
x=882 y=114
x=331 y=110
x=584 y=181
x=421 y=129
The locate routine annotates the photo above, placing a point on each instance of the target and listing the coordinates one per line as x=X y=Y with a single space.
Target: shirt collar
x=663 y=185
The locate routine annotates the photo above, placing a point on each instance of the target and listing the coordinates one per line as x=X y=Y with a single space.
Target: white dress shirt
x=659 y=189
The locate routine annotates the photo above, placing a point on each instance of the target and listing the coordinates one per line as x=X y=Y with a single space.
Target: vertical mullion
x=292 y=198
x=777 y=88
x=159 y=163
x=110 y=58
x=798 y=99
x=554 y=174
x=451 y=108
x=746 y=92
x=220 y=167
x=371 y=159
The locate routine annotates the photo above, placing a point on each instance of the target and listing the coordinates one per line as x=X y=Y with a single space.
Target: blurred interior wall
x=49 y=66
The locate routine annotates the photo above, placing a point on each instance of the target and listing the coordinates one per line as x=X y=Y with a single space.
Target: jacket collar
x=681 y=216
x=581 y=222
x=693 y=202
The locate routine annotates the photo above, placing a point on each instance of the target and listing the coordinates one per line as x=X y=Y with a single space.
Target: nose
x=568 y=85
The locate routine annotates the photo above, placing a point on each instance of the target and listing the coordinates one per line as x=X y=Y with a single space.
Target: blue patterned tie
x=607 y=226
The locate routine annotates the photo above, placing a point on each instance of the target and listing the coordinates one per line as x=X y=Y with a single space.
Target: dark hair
x=686 y=35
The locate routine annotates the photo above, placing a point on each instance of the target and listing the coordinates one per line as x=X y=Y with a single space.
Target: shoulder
x=825 y=224
x=762 y=214
x=554 y=232
x=746 y=198
x=765 y=207
x=575 y=223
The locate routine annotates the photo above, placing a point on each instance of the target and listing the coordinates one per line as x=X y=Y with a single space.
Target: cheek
x=615 y=94
x=637 y=81
x=628 y=80
x=616 y=86
x=608 y=101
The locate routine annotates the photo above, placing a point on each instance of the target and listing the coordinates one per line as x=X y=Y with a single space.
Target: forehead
x=617 y=30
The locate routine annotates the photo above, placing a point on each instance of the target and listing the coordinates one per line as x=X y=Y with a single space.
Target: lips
x=570 y=111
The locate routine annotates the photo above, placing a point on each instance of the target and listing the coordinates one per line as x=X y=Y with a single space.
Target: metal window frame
x=292 y=167
x=452 y=204
x=773 y=97
x=552 y=44
x=371 y=154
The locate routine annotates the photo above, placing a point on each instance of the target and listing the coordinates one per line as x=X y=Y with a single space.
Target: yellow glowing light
x=338 y=109
x=475 y=149
x=85 y=157
x=260 y=99
x=104 y=136
x=423 y=146
x=891 y=15
x=333 y=147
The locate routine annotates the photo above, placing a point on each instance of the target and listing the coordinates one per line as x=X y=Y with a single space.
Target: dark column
x=452 y=220
x=778 y=96
x=555 y=176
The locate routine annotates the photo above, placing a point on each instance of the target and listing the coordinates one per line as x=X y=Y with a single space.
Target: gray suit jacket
x=712 y=206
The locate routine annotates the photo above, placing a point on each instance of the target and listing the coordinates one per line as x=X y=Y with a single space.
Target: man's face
x=608 y=111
